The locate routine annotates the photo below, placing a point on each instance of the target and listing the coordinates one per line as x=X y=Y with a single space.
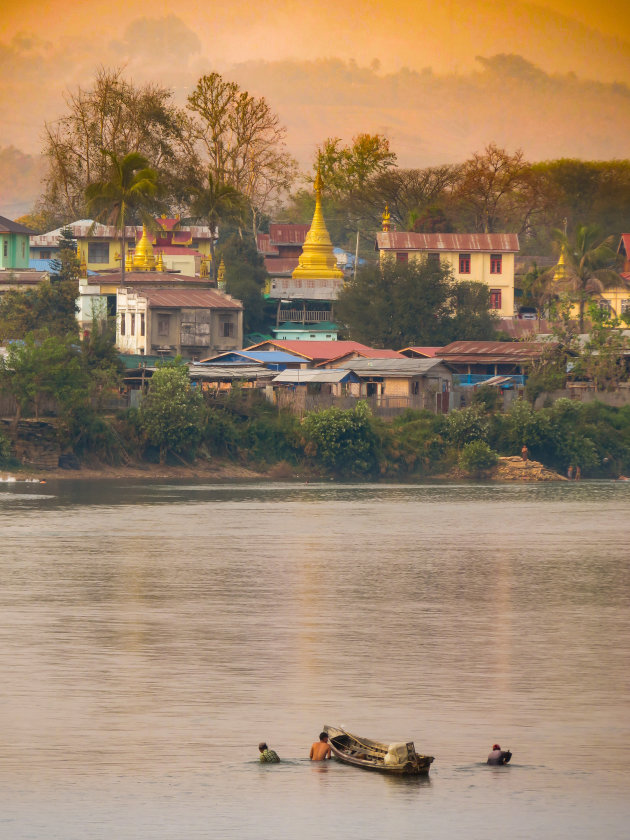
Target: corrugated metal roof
x=215 y=373
x=492 y=351
x=281 y=266
x=394 y=367
x=308 y=377
x=81 y=229
x=189 y=299
x=369 y=353
x=263 y=244
x=288 y=234
x=405 y=241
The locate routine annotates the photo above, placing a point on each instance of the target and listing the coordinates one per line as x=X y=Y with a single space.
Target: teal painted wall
x=14 y=250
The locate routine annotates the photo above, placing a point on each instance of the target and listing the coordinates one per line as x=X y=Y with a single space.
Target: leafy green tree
x=44 y=366
x=216 y=203
x=589 y=266
x=471 y=317
x=394 y=304
x=477 y=458
x=245 y=277
x=602 y=360
x=343 y=442
x=346 y=169
x=130 y=189
x=172 y=415
x=50 y=308
x=466 y=425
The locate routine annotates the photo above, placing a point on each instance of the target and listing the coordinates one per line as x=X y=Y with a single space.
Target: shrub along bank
x=178 y=424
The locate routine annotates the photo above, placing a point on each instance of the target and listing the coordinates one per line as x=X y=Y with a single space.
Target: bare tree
x=112 y=116
x=241 y=141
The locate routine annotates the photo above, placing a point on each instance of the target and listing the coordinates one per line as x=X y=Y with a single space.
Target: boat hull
x=370 y=755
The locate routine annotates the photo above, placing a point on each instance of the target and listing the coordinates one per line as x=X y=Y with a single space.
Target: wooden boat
x=400 y=758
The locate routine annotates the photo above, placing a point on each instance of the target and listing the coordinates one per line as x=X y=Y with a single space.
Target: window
x=23 y=248
x=142 y=323
x=132 y=328
x=402 y=256
x=496 y=263
x=98 y=252
x=495 y=298
x=604 y=305
x=5 y=248
x=163 y=325
x=44 y=255
x=123 y=322
x=227 y=329
x=464 y=263
x=434 y=260
x=625 y=305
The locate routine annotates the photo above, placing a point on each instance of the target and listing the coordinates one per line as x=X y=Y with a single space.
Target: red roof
x=190 y=299
x=281 y=265
x=425 y=352
x=404 y=241
x=263 y=244
x=326 y=351
x=288 y=234
x=624 y=245
x=172 y=250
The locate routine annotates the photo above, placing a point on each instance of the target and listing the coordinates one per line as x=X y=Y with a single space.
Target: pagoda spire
x=143 y=258
x=317 y=260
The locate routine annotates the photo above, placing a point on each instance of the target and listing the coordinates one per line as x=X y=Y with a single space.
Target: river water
x=152 y=634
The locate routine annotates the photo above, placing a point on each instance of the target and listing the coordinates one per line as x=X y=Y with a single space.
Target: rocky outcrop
x=515 y=469
x=33 y=443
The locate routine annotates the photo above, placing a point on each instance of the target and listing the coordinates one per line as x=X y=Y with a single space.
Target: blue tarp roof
x=264 y=356
x=47 y=265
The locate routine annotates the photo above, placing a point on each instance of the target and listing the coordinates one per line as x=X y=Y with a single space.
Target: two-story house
x=14 y=245
x=193 y=323
x=479 y=257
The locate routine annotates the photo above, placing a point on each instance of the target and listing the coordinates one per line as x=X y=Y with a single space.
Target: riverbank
x=510 y=469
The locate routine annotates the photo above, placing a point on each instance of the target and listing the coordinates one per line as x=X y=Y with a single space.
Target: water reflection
x=152 y=635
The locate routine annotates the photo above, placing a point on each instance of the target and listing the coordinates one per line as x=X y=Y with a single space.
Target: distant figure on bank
x=525 y=453
x=570 y=472
x=578 y=473
x=320 y=750
x=267 y=755
x=499 y=756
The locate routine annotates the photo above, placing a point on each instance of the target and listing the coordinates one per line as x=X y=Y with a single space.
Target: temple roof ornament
x=317 y=260
x=386 y=218
x=560 y=273
x=221 y=275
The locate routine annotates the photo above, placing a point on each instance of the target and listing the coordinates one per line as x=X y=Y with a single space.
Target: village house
x=477 y=257
x=181 y=248
x=14 y=245
x=414 y=383
x=192 y=323
x=477 y=362
x=325 y=353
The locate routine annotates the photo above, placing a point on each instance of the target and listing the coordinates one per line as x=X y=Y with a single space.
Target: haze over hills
x=555 y=86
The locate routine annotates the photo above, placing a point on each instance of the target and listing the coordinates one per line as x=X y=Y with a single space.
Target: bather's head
x=323 y=736
x=262 y=746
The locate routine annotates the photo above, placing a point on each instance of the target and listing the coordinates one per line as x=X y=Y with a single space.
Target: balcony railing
x=310 y=316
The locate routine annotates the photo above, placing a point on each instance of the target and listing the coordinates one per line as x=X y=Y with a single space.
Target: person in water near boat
x=320 y=750
x=267 y=755
x=499 y=756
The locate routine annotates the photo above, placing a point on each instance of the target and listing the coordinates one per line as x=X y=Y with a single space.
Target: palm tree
x=585 y=267
x=217 y=202
x=131 y=188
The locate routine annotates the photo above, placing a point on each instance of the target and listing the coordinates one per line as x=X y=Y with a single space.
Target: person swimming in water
x=498 y=756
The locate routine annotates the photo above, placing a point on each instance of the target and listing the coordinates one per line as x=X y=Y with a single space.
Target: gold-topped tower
x=386 y=218
x=560 y=273
x=143 y=258
x=221 y=276
x=317 y=260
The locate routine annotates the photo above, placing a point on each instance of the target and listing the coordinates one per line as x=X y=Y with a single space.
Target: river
x=152 y=634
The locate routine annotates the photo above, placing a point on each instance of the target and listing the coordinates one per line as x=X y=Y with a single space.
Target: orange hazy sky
x=281 y=28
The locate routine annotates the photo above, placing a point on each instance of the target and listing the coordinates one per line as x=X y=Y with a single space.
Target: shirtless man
x=320 y=750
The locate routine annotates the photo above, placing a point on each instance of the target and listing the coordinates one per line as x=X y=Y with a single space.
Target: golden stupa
x=386 y=218
x=317 y=260
x=143 y=257
x=560 y=273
